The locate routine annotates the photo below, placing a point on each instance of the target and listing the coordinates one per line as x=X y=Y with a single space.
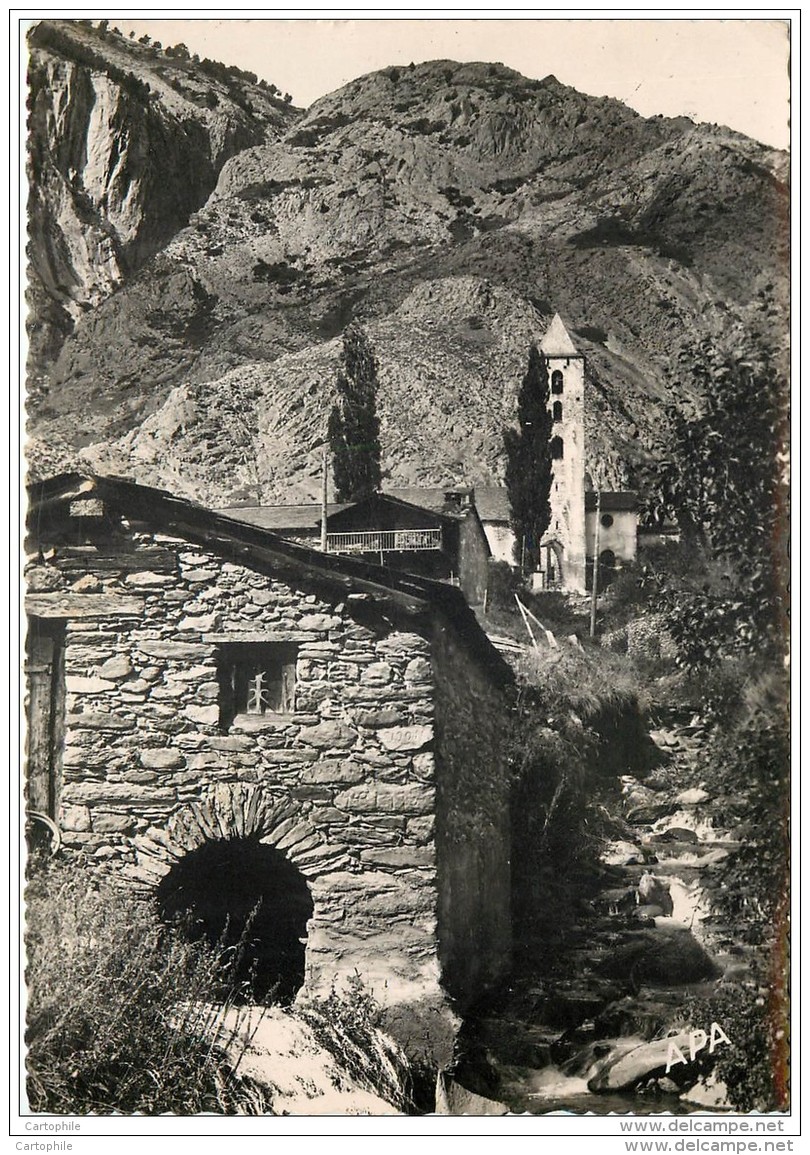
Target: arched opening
x=556 y=448
x=556 y=411
x=237 y=887
x=556 y=381
x=607 y=567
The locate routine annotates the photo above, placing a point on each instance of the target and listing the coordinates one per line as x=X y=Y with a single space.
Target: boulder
x=622 y=853
x=710 y=1093
x=652 y=891
x=453 y=1099
x=692 y=797
x=623 y=1069
x=666 y=956
x=675 y=834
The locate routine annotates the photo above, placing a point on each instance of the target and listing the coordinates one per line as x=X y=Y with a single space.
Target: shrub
x=120 y=1014
x=347 y=1024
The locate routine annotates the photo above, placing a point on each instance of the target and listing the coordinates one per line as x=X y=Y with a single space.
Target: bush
x=347 y=1024
x=119 y=1006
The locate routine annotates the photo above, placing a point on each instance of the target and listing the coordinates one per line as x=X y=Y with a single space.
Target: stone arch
x=235 y=810
x=553 y=556
x=236 y=827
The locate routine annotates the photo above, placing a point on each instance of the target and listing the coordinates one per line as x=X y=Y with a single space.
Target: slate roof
x=283 y=517
x=265 y=551
x=492 y=502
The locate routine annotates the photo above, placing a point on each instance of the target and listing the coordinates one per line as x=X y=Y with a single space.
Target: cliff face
x=124 y=144
x=452 y=208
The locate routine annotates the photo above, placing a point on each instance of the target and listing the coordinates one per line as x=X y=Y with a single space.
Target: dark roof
x=308 y=517
x=259 y=548
x=612 y=502
x=492 y=502
x=422 y=496
x=283 y=517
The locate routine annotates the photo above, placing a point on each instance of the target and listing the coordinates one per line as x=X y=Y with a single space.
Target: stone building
x=218 y=716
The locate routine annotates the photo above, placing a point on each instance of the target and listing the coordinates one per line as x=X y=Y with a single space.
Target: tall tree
x=730 y=498
x=354 y=428
x=529 y=464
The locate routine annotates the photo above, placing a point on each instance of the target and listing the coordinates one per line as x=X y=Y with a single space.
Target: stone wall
x=344 y=786
x=473 y=840
x=473 y=560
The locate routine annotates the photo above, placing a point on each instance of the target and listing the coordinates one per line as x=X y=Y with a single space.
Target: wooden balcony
x=385 y=541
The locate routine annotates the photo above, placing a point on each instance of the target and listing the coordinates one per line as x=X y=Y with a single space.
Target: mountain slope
x=452 y=208
x=125 y=143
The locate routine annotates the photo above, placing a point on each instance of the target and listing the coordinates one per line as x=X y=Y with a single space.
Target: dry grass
x=586 y=682
x=347 y=1025
x=117 y=1019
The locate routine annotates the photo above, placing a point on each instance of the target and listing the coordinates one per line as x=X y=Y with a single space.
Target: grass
x=119 y=1006
x=587 y=682
x=346 y=1024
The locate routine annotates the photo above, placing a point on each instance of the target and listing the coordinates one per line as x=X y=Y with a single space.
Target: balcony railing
x=384 y=541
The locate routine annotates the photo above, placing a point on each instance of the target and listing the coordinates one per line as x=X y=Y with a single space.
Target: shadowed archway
x=235 y=887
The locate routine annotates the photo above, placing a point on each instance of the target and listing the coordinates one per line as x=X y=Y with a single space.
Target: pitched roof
x=266 y=551
x=283 y=517
x=557 y=342
x=492 y=502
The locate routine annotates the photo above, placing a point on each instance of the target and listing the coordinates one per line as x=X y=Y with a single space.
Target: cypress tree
x=354 y=428
x=529 y=464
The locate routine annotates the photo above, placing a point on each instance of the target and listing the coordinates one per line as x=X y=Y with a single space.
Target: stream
x=590 y=1034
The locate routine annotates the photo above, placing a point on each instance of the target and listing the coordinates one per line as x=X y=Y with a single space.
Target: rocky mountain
x=126 y=141
x=452 y=208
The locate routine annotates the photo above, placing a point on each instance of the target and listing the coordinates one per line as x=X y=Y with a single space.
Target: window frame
x=240 y=665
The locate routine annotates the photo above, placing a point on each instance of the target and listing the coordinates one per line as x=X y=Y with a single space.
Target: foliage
x=119 y=1006
x=726 y=484
x=751 y=760
x=753 y=1066
x=746 y=764
x=529 y=464
x=556 y=761
x=46 y=35
x=347 y=1024
x=354 y=428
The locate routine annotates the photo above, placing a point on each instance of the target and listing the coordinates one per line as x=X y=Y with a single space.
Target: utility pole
x=324 y=478
x=595 y=579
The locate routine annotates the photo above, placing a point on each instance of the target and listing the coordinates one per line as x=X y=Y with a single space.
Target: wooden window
x=557 y=381
x=256 y=679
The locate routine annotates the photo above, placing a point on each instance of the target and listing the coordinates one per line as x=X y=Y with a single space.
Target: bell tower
x=564 y=543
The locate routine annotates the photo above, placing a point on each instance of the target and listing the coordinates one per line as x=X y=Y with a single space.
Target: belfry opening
x=249 y=897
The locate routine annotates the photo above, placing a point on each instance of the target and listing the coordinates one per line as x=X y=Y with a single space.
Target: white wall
x=620 y=537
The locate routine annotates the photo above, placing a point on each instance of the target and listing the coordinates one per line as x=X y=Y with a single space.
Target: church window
x=557 y=381
x=557 y=448
x=556 y=411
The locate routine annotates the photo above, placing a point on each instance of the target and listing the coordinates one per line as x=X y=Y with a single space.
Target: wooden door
x=45 y=686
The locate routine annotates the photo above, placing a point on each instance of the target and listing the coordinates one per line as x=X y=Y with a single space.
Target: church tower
x=563 y=547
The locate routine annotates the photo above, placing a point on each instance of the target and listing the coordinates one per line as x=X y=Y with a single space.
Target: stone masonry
x=386 y=786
